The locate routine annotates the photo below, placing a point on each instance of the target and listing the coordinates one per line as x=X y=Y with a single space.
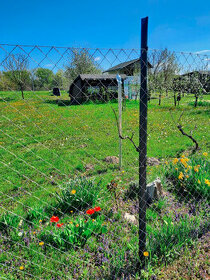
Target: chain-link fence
x=70 y=165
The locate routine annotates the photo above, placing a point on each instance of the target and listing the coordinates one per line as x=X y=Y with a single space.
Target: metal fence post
x=119 y=81
x=143 y=140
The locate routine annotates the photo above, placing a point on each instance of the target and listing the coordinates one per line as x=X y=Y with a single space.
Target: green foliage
x=78 y=194
x=80 y=63
x=167 y=237
x=73 y=234
x=189 y=177
x=9 y=221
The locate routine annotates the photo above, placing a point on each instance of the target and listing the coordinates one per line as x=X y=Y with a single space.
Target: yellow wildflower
x=176 y=168
x=77 y=225
x=93 y=220
x=41 y=243
x=34 y=232
x=181 y=176
x=205 y=154
x=73 y=191
x=199 y=181
x=187 y=176
x=189 y=166
x=146 y=254
x=71 y=211
x=123 y=172
x=70 y=222
x=175 y=161
x=165 y=163
x=40 y=221
x=21 y=267
x=207 y=182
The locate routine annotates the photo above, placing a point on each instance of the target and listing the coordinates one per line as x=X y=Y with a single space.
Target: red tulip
x=90 y=211
x=59 y=225
x=97 y=209
x=54 y=219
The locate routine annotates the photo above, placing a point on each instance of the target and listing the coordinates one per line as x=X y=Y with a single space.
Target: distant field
x=44 y=144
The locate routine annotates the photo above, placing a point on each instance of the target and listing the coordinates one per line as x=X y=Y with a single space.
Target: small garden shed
x=93 y=87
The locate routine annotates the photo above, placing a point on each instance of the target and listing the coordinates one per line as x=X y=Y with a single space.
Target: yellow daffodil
x=207 y=182
x=196 y=169
x=181 y=176
x=175 y=161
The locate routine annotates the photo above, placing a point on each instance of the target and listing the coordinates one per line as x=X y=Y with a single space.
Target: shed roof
x=99 y=76
x=207 y=72
x=125 y=64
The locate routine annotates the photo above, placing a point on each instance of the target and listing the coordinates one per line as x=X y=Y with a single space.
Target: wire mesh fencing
x=70 y=161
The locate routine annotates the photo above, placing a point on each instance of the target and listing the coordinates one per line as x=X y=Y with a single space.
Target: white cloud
x=97 y=58
x=203 y=51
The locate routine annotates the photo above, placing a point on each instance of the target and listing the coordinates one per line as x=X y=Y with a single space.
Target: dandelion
x=41 y=243
x=175 y=161
x=90 y=211
x=205 y=154
x=73 y=191
x=207 y=182
x=93 y=220
x=54 y=219
x=146 y=254
x=21 y=267
x=40 y=221
x=181 y=176
x=71 y=211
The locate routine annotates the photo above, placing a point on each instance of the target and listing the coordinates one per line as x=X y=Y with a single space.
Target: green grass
x=44 y=145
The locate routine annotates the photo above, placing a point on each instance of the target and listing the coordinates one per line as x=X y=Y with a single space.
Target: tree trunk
x=22 y=94
x=159 y=99
x=175 y=100
x=196 y=101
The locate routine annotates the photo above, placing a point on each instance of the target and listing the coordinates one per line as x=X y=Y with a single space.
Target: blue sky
x=180 y=25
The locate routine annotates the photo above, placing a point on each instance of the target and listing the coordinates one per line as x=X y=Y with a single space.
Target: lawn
x=44 y=145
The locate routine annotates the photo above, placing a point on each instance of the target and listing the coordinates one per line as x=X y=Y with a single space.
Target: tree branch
x=125 y=137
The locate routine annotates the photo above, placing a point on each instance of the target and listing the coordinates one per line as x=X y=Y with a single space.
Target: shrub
x=78 y=194
x=189 y=177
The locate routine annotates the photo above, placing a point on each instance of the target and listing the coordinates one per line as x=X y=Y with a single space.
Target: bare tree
x=162 y=74
x=16 y=66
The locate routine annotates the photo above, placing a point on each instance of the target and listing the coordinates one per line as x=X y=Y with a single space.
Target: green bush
x=189 y=177
x=78 y=194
